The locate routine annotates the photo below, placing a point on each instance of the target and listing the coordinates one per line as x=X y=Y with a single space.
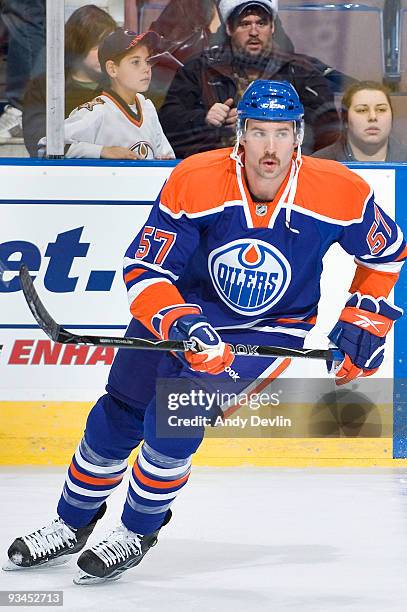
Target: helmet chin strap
x=235 y=153
x=292 y=191
x=299 y=135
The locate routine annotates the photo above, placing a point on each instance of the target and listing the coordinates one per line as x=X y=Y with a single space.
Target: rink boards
x=71 y=223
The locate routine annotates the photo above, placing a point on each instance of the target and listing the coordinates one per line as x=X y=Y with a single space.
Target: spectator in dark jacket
x=199 y=112
x=367 y=117
x=84 y=30
x=193 y=26
x=188 y=28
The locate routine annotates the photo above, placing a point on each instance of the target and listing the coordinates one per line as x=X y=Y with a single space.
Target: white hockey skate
x=121 y=550
x=51 y=545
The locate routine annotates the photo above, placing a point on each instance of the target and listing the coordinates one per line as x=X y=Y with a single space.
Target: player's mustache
x=272 y=158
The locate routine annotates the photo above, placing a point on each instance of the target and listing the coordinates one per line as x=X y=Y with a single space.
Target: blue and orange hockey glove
x=186 y=322
x=361 y=333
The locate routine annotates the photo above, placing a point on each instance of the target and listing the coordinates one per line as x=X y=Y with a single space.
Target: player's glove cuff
x=213 y=355
x=165 y=318
x=375 y=316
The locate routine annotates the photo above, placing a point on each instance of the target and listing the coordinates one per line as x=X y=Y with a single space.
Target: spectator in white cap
x=250 y=25
x=280 y=37
x=199 y=111
x=227 y=7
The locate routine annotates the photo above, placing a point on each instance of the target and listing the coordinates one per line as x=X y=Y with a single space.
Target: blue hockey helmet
x=267 y=100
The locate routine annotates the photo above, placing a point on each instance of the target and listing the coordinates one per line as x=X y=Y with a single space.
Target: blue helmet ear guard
x=271 y=101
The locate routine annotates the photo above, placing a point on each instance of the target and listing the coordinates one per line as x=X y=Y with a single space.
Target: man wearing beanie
x=199 y=111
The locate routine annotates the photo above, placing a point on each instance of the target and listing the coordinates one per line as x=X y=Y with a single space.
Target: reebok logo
x=244 y=349
x=232 y=373
x=365 y=322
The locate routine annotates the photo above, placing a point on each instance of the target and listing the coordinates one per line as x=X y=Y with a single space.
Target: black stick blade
x=39 y=312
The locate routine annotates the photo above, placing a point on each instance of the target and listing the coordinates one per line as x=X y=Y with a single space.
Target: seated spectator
x=120 y=123
x=367 y=117
x=194 y=25
x=25 y=23
x=199 y=111
x=84 y=30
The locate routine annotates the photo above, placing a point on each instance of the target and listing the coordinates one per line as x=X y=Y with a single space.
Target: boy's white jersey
x=108 y=121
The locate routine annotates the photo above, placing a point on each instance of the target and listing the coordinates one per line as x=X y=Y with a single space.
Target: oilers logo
x=143 y=149
x=250 y=276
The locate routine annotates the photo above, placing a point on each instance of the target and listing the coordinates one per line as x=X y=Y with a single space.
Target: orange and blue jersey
x=205 y=246
x=204 y=243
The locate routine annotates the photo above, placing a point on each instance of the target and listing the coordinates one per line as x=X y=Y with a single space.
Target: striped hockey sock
x=155 y=481
x=90 y=480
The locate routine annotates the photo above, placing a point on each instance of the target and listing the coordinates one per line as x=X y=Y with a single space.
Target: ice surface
x=241 y=540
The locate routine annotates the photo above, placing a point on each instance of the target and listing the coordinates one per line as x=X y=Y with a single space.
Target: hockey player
x=120 y=123
x=232 y=251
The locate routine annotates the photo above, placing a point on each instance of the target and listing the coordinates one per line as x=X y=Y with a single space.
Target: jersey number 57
x=163 y=241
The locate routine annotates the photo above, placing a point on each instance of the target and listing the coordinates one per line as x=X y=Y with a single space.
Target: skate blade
x=84 y=579
x=9 y=566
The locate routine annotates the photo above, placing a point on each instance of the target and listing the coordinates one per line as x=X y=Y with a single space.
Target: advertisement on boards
x=71 y=226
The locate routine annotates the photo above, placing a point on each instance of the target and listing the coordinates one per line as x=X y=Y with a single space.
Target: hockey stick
x=58 y=334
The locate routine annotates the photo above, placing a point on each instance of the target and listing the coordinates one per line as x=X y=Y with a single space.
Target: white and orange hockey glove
x=186 y=322
x=361 y=333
